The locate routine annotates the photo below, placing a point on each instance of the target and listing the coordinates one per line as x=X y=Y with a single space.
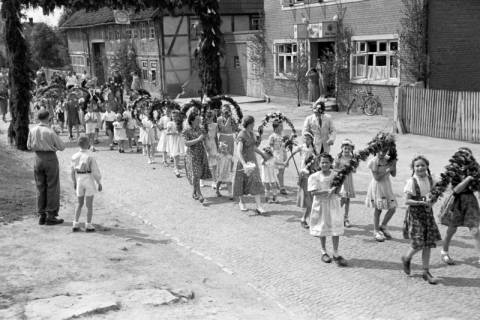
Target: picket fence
x=438 y=113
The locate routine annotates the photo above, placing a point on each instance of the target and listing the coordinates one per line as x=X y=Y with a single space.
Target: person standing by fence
x=45 y=142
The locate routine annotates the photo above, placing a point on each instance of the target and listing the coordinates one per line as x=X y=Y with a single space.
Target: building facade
x=164 y=45
x=311 y=27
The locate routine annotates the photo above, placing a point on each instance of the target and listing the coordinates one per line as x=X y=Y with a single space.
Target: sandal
x=427 y=276
x=326 y=258
x=340 y=261
x=406 y=265
x=386 y=234
x=347 y=224
x=378 y=236
x=304 y=224
x=195 y=196
x=447 y=259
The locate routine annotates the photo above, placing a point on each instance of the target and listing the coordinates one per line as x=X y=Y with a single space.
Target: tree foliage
x=208 y=51
x=48 y=49
x=125 y=61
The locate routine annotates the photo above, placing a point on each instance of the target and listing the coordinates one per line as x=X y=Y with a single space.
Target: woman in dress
x=246 y=180
x=313 y=85
x=227 y=128
x=73 y=120
x=196 y=161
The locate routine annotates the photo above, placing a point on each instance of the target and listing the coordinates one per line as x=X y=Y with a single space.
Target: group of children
x=323 y=204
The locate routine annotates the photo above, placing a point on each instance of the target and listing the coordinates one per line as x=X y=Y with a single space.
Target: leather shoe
x=53 y=221
x=42 y=219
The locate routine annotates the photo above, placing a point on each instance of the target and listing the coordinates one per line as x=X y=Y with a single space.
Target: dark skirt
x=465 y=212
x=196 y=165
x=246 y=184
x=61 y=117
x=420 y=226
x=304 y=197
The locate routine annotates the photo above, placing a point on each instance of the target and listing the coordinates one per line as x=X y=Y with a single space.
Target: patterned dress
x=247 y=184
x=465 y=211
x=304 y=198
x=196 y=161
x=380 y=193
x=419 y=223
x=279 y=152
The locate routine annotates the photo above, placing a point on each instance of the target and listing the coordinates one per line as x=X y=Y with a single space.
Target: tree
x=298 y=76
x=46 y=47
x=125 y=61
x=208 y=51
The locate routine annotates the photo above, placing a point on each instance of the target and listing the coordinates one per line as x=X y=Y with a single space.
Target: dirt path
x=43 y=266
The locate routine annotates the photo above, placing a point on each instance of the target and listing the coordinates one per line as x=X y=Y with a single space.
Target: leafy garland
x=276 y=116
x=216 y=104
x=382 y=141
x=462 y=164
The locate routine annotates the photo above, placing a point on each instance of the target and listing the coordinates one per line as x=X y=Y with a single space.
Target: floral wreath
x=289 y=141
x=215 y=103
x=382 y=141
x=462 y=164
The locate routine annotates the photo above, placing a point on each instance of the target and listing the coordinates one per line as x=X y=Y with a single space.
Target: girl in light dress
x=211 y=146
x=420 y=225
x=304 y=198
x=120 y=132
x=147 y=135
x=380 y=194
x=224 y=169
x=347 y=191
x=90 y=119
x=270 y=175
x=275 y=141
x=175 y=141
x=162 y=141
x=326 y=218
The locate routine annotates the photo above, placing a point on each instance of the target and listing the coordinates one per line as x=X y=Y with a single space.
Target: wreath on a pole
x=462 y=164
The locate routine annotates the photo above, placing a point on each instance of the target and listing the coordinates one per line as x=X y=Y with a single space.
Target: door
x=322 y=57
x=98 y=61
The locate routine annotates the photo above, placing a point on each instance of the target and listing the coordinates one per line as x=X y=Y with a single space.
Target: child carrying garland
x=275 y=141
x=380 y=194
x=419 y=222
x=326 y=218
x=304 y=198
x=347 y=191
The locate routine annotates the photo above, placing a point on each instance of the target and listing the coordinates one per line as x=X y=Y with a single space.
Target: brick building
x=164 y=45
x=454 y=44
x=311 y=26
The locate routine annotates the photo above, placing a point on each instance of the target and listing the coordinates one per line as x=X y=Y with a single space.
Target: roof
x=105 y=16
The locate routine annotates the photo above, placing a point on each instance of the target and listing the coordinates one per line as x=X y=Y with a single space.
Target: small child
x=147 y=138
x=84 y=173
x=380 y=194
x=130 y=129
x=175 y=141
x=270 y=175
x=120 y=132
x=347 y=191
x=162 y=141
x=109 y=118
x=60 y=114
x=326 y=218
x=90 y=124
x=419 y=222
x=304 y=198
x=224 y=172
x=275 y=141
x=211 y=145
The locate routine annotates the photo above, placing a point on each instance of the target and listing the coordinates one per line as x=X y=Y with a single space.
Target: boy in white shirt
x=85 y=173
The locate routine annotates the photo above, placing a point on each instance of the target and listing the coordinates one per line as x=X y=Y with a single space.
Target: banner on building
x=322 y=30
x=121 y=16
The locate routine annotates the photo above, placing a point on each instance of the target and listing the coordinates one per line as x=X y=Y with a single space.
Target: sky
x=38 y=16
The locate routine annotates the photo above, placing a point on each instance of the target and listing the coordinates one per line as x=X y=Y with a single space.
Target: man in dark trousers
x=45 y=142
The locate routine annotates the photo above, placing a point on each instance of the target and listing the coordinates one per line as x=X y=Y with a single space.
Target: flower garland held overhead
x=276 y=116
x=215 y=103
x=462 y=164
x=382 y=141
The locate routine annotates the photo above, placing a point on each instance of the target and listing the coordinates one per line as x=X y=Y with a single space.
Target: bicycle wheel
x=370 y=106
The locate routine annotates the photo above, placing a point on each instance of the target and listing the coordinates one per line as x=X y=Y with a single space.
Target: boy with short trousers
x=85 y=173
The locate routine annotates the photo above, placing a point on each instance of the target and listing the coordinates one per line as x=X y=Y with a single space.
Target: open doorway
x=322 y=57
x=98 y=58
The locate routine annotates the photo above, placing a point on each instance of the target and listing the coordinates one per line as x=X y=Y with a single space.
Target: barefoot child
x=224 y=169
x=275 y=141
x=347 y=191
x=420 y=223
x=304 y=198
x=326 y=218
x=85 y=173
x=380 y=194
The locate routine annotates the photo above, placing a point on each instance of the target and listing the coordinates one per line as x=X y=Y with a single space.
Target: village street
x=271 y=255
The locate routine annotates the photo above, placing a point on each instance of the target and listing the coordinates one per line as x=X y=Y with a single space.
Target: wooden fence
x=438 y=113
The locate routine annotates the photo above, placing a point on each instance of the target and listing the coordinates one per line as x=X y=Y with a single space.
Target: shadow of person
x=375 y=264
x=460 y=282
x=290 y=213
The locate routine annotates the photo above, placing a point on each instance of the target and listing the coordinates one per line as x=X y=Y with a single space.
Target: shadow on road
x=374 y=264
x=460 y=282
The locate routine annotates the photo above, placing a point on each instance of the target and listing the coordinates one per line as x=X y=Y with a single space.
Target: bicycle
x=365 y=100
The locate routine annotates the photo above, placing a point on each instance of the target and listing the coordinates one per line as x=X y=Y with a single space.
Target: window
x=195 y=29
x=152 y=32
x=285 y=57
x=236 y=62
x=145 y=70
x=129 y=33
x=153 y=71
x=143 y=31
x=135 y=33
x=375 y=60
x=78 y=63
x=256 y=22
